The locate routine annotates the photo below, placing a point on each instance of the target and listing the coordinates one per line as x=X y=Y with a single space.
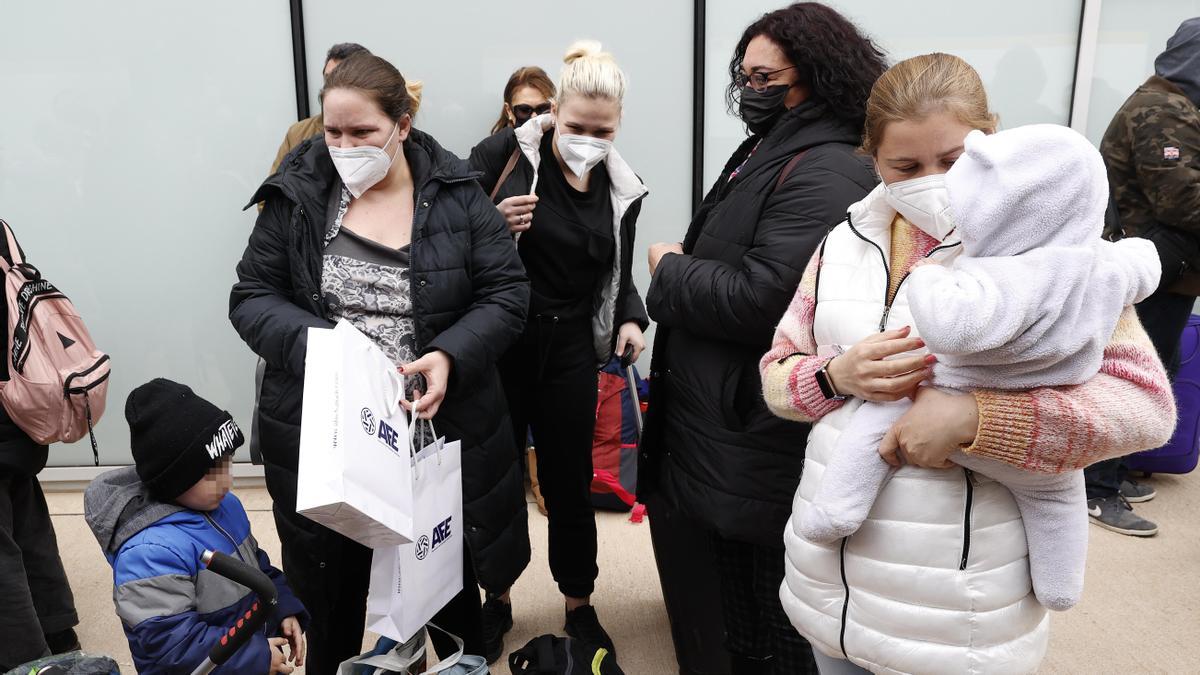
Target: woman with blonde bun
x=572 y=203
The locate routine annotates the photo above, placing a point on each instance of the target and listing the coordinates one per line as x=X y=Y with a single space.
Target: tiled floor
x=1140 y=612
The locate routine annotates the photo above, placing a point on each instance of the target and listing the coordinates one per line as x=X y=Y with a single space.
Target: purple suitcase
x=1180 y=454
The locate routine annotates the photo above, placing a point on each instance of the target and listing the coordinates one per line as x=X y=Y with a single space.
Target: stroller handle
x=240 y=633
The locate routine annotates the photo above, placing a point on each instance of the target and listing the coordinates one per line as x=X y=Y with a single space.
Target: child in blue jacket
x=156 y=519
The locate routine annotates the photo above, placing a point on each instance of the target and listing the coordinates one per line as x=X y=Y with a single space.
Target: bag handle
x=397 y=381
x=413 y=423
x=392 y=662
x=450 y=661
x=508 y=169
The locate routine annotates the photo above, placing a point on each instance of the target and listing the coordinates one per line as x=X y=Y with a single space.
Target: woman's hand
x=290 y=627
x=631 y=335
x=937 y=424
x=657 y=251
x=435 y=367
x=863 y=373
x=518 y=212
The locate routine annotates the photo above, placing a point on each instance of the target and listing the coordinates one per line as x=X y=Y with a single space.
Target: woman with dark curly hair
x=713 y=453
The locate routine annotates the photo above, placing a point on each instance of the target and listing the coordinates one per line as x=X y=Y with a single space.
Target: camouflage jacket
x=1152 y=149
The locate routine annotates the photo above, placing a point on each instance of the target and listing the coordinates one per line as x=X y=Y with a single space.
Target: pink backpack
x=53 y=381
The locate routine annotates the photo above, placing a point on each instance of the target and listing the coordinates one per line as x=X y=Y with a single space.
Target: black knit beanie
x=176 y=436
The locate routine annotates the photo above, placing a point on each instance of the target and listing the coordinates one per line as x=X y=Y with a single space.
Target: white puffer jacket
x=937 y=579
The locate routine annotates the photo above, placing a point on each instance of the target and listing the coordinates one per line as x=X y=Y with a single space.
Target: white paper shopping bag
x=354 y=466
x=412 y=582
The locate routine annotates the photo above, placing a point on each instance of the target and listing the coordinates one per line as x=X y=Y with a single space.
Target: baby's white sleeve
x=966 y=308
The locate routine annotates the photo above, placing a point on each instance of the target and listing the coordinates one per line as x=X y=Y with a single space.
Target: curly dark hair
x=344 y=50
x=832 y=57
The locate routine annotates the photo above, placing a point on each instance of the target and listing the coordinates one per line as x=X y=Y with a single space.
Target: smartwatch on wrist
x=826 y=384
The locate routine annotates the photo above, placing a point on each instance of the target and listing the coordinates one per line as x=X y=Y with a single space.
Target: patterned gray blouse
x=367 y=284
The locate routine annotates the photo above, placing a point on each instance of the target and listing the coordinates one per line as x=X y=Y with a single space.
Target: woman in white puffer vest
x=937 y=579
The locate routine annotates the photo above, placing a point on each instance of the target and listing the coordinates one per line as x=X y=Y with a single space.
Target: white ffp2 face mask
x=363 y=166
x=924 y=202
x=582 y=153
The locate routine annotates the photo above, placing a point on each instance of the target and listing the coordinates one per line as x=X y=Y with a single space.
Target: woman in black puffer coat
x=378 y=224
x=712 y=453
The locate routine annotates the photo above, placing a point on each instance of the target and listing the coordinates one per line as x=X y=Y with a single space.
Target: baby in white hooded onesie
x=1030 y=302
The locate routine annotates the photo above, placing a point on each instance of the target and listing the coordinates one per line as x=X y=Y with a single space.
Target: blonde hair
x=414 y=89
x=590 y=72
x=917 y=87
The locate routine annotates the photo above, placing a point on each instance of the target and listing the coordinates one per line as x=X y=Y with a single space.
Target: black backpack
x=551 y=655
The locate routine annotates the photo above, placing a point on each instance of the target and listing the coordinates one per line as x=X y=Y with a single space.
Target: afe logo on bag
x=441 y=532
x=387 y=435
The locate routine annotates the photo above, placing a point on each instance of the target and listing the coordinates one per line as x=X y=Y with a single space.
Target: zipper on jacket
x=887 y=272
x=414 y=236
x=236 y=550
x=845 y=599
x=887 y=302
x=927 y=256
x=966 y=548
x=314 y=276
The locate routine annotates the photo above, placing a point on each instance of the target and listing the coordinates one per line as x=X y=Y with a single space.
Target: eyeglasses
x=757 y=80
x=524 y=110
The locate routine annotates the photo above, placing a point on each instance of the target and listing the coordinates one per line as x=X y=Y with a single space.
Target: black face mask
x=760 y=110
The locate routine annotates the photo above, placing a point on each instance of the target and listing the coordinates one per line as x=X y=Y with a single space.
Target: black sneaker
x=1134 y=492
x=1114 y=513
x=497 y=620
x=584 y=625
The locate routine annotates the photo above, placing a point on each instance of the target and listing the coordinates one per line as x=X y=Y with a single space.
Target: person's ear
x=512 y=119
x=405 y=126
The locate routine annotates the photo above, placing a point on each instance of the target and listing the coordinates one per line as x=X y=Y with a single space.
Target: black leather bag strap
x=787 y=169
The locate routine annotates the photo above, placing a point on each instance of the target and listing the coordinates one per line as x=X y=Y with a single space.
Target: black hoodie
x=1180 y=61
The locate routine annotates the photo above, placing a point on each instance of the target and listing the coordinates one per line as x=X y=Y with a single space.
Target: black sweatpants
x=756 y=627
x=35 y=596
x=691 y=586
x=550 y=379
x=331 y=574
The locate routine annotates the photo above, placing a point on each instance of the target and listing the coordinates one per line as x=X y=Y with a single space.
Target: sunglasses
x=524 y=111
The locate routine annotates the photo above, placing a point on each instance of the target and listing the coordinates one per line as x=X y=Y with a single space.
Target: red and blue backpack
x=615 y=440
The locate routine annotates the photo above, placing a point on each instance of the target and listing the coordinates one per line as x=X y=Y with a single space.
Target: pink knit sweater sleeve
x=789 y=368
x=1127 y=407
